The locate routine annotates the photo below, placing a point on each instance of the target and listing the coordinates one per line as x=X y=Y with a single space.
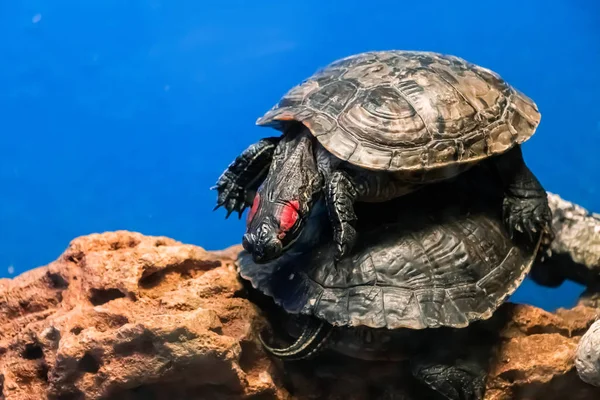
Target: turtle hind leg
x=525 y=205
x=314 y=337
x=461 y=380
x=237 y=185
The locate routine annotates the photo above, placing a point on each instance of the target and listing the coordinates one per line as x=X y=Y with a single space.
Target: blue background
x=120 y=114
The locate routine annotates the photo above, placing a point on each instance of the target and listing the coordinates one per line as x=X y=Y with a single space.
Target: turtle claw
x=242 y=209
x=231 y=196
x=528 y=216
x=339 y=253
x=233 y=205
x=532 y=230
x=518 y=228
x=244 y=175
x=345 y=239
x=510 y=226
x=546 y=241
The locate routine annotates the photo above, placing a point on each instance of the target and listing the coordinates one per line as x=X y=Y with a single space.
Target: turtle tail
x=313 y=338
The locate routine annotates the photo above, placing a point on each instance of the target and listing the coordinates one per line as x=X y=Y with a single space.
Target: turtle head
x=285 y=199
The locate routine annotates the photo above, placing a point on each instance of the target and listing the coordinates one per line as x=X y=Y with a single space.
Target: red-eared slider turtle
x=419 y=264
x=375 y=126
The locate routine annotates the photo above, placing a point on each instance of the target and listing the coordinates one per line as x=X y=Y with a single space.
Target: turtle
x=375 y=126
x=423 y=275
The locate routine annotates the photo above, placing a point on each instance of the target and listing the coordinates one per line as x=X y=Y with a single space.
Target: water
x=121 y=114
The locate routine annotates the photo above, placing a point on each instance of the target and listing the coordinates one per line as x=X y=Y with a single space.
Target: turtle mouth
x=266 y=243
x=262 y=248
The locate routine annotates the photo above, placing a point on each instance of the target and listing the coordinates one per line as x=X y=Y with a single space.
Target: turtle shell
x=408 y=111
x=418 y=263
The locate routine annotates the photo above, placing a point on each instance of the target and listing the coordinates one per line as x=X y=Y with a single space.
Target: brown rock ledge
x=125 y=316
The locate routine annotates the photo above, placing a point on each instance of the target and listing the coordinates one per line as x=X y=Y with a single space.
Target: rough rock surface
x=125 y=316
x=575 y=250
x=121 y=315
x=588 y=356
x=578 y=232
x=535 y=359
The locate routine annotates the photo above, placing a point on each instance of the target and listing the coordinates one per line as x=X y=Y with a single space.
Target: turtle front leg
x=238 y=184
x=343 y=190
x=340 y=195
x=525 y=208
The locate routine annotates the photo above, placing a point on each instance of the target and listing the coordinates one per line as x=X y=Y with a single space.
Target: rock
x=588 y=356
x=578 y=232
x=121 y=315
x=575 y=250
x=536 y=352
x=124 y=316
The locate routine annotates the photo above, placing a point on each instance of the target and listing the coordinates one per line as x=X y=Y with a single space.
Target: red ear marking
x=254 y=208
x=289 y=215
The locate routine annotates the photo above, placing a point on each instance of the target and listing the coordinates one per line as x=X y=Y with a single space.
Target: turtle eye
x=289 y=216
x=254 y=209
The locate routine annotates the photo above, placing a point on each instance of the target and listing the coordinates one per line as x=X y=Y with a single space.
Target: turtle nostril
x=275 y=248
x=262 y=244
x=267 y=252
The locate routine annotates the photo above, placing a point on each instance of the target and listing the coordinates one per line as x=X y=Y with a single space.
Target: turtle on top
x=376 y=126
x=420 y=264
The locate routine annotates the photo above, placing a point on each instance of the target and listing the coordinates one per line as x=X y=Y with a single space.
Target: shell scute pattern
x=366 y=304
x=332 y=98
x=297 y=95
x=385 y=116
x=390 y=110
x=405 y=311
x=365 y=74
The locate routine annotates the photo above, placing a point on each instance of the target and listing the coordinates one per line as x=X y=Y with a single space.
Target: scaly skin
x=457 y=380
x=341 y=194
x=238 y=184
x=525 y=207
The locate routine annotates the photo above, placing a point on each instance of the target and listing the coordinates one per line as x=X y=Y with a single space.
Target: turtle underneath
x=417 y=282
x=376 y=126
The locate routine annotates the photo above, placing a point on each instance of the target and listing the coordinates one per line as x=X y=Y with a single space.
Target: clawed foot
x=454 y=382
x=231 y=196
x=345 y=238
x=530 y=217
x=238 y=184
